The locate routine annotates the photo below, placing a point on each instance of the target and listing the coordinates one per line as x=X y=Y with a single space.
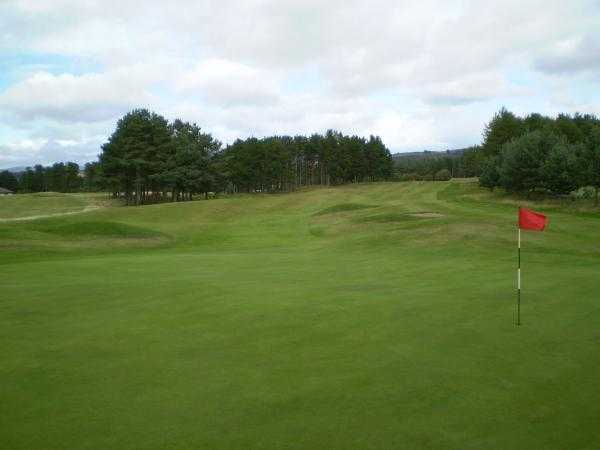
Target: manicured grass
x=296 y=321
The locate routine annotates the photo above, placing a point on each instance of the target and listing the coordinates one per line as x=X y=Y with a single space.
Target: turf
x=298 y=322
x=44 y=203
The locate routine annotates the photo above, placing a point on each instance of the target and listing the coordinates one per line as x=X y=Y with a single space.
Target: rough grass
x=342 y=207
x=254 y=322
x=22 y=205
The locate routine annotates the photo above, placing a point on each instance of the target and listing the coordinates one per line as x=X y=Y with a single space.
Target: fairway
x=367 y=316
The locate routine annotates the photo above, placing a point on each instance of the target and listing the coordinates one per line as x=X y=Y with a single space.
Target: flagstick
x=519 y=282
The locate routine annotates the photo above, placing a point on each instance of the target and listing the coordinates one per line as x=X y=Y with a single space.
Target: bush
x=585 y=192
x=409 y=177
x=443 y=175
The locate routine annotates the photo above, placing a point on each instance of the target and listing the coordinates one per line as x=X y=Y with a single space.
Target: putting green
x=369 y=316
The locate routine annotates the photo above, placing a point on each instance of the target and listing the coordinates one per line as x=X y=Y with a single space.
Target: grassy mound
x=89 y=229
x=43 y=203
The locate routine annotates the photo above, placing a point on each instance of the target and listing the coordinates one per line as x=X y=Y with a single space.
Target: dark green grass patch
x=395 y=216
x=343 y=207
x=85 y=229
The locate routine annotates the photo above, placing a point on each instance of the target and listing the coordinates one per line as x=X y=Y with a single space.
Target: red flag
x=529 y=220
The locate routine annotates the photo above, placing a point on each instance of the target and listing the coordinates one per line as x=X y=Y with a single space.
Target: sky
x=421 y=74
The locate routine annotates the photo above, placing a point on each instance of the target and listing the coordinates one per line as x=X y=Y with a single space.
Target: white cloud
x=27 y=152
x=67 y=97
x=471 y=88
x=66 y=142
x=572 y=55
x=225 y=83
x=16 y=152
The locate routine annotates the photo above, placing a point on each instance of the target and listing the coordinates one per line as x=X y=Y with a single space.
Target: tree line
x=59 y=177
x=284 y=163
x=147 y=159
x=438 y=166
x=540 y=154
x=534 y=154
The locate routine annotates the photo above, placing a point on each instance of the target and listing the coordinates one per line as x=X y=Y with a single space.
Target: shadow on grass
x=343 y=207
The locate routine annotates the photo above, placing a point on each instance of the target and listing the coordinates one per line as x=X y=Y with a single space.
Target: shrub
x=409 y=177
x=443 y=175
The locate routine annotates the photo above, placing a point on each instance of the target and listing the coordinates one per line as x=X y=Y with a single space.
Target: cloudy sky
x=422 y=74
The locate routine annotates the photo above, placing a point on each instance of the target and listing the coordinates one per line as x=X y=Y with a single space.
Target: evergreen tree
x=9 y=181
x=93 y=180
x=27 y=180
x=39 y=181
x=503 y=127
x=559 y=170
x=490 y=175
x=56 y=176
x=523 y=159
x=565 y=126
x=554 y=155
x=73 y=179
x=589 y=161
x=131 y=159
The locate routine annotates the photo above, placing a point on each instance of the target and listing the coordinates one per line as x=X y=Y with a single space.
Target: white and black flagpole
x=519 y=280
x=528 y=220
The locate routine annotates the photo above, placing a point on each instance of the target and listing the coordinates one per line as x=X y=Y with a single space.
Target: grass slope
x=22 y=206
x=361 y=317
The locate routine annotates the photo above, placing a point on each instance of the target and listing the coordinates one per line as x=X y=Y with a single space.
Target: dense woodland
x=147 y=159
x=539 y=154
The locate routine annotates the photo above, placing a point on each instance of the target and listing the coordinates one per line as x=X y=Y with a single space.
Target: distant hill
x=428 y=153
x=17 y=169
x=426 y=165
